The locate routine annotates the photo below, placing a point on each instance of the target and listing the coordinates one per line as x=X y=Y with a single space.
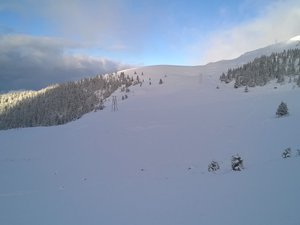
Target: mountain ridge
x=217 y=68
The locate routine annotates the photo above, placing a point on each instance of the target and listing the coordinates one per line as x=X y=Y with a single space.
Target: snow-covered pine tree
x=298 y=81
x=223 y=77
x=237 y=83
x=282 y=110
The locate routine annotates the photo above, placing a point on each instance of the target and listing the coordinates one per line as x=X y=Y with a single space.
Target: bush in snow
x=160 y=81
x=282 y=110
x=213 y=166
x=286 y=153
x=236 y=163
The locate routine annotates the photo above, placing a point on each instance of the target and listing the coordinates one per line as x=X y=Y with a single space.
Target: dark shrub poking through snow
x=237 y=163
x=213 y=166
x=286 y=153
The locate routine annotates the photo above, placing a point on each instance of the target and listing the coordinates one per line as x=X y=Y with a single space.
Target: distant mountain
x=217 y=68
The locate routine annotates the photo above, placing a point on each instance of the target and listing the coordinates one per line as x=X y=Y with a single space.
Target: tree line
x=60 y=103
x=279 y=66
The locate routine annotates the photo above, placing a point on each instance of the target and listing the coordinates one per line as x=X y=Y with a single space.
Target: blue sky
x=112 y=34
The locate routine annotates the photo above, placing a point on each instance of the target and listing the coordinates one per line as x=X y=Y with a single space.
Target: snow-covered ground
x=146 y=164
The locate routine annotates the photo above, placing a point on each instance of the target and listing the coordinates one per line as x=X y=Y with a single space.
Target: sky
x=50 y=41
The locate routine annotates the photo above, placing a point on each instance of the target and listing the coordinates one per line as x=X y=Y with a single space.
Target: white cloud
x=28 y=62
x=278 y=22
x=107 y=25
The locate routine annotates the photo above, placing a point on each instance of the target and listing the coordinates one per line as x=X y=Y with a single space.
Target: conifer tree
x=282 y=110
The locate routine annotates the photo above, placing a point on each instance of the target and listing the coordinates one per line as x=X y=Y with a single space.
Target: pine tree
x=223 y=77
x=237 y=83
x=282 y=110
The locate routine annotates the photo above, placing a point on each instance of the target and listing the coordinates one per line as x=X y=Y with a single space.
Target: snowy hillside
x=62 y=103
x=146 y=164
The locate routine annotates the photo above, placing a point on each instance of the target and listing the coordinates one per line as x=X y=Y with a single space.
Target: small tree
x=237 y=83
x=280 y=79
x=213 y=166
x=223 y=77
x=286 y=153
x=160 y=81
x=237 y=163
x=282 y=110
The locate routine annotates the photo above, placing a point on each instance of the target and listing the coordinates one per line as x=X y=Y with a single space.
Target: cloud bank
x=30 y=62
x=109 y=25
x=277 y=22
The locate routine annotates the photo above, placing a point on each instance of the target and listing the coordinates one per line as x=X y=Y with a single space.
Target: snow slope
x=146 y=164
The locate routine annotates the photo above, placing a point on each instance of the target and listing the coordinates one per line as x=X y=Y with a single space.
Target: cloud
x=107 y=25
x=115 y=26
x=278 y=21
x=28 y=62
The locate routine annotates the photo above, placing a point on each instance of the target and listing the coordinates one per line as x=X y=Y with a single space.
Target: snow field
x=146 y=163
